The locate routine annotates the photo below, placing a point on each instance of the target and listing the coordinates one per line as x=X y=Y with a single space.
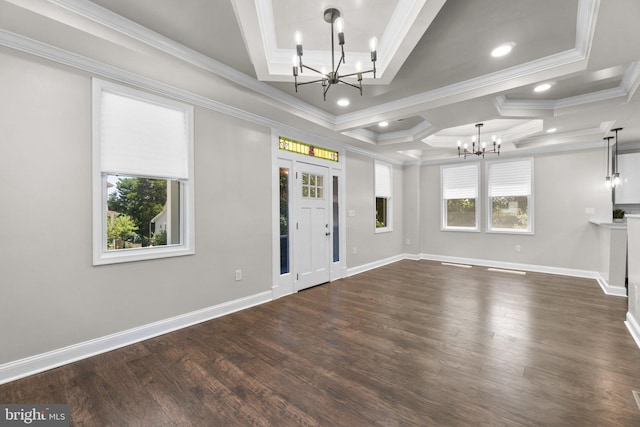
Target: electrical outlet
x=355 y=250
x=238 y=275
x=589 y=211
x=518 y=248
x=407 y=241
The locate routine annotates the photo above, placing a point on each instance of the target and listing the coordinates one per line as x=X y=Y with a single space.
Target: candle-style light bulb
x=373 y=45
x=298 y=37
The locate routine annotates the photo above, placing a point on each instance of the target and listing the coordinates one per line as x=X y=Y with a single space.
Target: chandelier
x=332 y=16
x=463 y=150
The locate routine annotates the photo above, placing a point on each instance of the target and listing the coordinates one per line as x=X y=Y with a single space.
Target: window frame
x=443 y=202
x=389 y=204
x=101 y=255
x=530 y=199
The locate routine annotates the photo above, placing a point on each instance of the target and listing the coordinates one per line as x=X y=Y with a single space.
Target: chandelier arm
x=339 y=63
x=324 y=94
x=356 y=73
x=314 y=70
x=348 y=84
x=313 y=81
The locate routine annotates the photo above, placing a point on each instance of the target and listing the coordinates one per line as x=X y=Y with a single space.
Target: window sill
x=131 y=255
x=510 y=231
x=383 y=230
x=461 y=229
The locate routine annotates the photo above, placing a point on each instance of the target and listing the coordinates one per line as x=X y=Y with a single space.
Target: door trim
x=285 y=284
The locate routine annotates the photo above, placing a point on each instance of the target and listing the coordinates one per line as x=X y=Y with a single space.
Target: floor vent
x=636 y=396
x=456 y=265
x=499 y=270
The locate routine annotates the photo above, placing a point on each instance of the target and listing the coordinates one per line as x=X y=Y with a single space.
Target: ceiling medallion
x=332 y=16
x=482 y=146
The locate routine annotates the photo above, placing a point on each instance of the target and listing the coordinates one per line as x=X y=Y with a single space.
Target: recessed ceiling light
x=343 y=102
x=502 y=50
x=552 y=130
x=542 y=87
x=383 y=124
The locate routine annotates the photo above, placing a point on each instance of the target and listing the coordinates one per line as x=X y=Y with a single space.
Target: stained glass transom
x=307 y=149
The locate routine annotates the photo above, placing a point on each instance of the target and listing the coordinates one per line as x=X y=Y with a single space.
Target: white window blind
x=143 y=138
x=460 y=182
x=510 y=178
x=382 y=180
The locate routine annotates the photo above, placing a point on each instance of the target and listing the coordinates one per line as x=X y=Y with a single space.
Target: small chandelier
x=332 y=16
x=463 y=150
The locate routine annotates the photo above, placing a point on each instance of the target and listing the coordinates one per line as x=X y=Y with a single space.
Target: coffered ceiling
x=436 y=77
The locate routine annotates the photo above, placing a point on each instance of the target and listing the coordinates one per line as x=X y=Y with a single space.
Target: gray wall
x=370 y=246
x=51 y=295
x=412 y=208
x=564 y=185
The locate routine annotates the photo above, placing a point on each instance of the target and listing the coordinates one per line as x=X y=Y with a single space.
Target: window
x=509 y=190
x=460 y=206
x=383 y=196
x=143 y=175
x=312 y=186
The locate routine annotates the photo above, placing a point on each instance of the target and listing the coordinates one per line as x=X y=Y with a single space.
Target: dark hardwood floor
x=412 y=343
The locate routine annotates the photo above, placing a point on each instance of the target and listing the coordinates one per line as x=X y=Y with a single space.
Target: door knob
x=327 y=234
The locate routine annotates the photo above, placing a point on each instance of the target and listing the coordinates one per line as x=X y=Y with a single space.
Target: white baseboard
x=370 y=266
x=606 y=288
x=587 y=274
x=634 y=328
x=619 y=291
x=42 y=362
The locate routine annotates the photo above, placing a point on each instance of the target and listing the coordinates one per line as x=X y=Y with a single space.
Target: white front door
x=313 y=232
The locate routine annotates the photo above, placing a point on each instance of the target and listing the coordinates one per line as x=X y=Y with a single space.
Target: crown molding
x=96 y=68
x=390 y=138
x=626 y=89
x=408 y=22
x=587 y=14
x=560 y=138
x=102 y=16
x=586 y=24
x=508 y=135
x=402 y=135
x=484 y=85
